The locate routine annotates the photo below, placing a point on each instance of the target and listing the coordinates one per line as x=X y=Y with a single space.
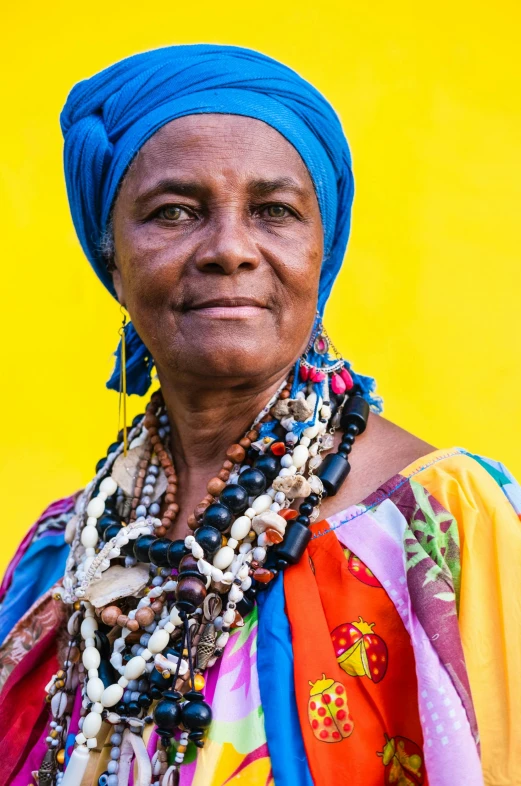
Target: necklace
x=149 y=615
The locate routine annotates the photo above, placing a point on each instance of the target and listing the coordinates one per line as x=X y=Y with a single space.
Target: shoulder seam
x=382 y=496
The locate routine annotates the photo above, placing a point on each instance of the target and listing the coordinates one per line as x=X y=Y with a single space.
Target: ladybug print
x=359 y=651
x=360 y=571
x=328 y=711
x=403 y=762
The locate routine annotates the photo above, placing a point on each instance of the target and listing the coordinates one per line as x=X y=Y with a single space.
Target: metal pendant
x=206 y=646
x=48 y=769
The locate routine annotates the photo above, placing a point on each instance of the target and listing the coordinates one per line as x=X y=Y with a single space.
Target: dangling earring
x=322 y=363
x=123 y=383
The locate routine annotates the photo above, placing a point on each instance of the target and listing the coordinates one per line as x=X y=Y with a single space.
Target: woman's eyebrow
x=171 y=186
x=264 y=188
x=191 y=188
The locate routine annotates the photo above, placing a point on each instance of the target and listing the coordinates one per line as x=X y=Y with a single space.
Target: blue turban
x=108 y=118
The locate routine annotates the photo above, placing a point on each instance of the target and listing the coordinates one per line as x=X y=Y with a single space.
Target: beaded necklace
x=168 y=606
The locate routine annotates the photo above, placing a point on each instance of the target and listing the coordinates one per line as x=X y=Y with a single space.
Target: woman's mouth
x=228 y=308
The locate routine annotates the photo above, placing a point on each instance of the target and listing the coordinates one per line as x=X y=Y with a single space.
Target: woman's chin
x=227 y=360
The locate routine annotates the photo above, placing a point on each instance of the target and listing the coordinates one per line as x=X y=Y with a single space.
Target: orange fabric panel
x=352 y=649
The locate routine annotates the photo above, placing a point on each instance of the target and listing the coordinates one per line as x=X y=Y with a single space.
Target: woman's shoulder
x=38 y=563
x=380 y=453
x=386 y=456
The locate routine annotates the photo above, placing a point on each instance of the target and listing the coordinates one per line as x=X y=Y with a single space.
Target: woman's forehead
x=213 y=144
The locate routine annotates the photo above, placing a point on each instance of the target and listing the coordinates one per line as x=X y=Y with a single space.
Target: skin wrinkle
x=216 y=374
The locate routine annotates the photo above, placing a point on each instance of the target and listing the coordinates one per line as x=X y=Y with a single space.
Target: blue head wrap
x=108 y=118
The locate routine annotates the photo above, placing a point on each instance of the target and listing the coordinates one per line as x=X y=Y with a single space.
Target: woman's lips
x=236 y=308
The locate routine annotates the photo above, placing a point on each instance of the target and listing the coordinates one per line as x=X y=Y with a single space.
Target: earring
x=322 y=363
x=123 y=383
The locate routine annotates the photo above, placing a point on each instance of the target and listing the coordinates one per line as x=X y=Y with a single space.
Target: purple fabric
x=37 y=565
x=32 y=763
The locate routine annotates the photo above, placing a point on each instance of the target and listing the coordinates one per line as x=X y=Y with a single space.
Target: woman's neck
x=204 y=423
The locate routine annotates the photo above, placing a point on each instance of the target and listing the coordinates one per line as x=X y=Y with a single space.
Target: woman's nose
x=228 y=247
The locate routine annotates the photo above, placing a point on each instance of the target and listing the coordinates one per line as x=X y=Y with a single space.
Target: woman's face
x=218 y=248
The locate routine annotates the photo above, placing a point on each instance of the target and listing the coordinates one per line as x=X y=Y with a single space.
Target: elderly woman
x=228 y=601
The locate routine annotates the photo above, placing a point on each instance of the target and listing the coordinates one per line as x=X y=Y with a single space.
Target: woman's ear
x=118 y=286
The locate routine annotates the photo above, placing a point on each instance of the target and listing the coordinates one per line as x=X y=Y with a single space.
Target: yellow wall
x=428 y=301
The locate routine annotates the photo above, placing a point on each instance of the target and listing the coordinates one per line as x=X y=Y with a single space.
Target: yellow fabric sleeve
x=490 y=608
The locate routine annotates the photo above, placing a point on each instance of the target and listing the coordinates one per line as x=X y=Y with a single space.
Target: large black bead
x=100 y=464
x=102 y=644
x=158 y=552
x=110 y=505
x=144 y=700
x=197 y=737
x=167 y=714
x=190 y=593
x=270 y=562
x=355 y=412
x=253 y=480
x=133 y=708
x=235 y=498
x=112 y=448
x=141 y=547
x=111 y=531
x=268 y=465
x=176 y=551
x=196 y=715
x=210 y=540
x=137 y=420
x=333 y=405
x=128 y=549
x=158 y=683
x=296 y=538
x=244 y=606
x=106 y=673
x=155 y=692
x=106 y=520
x=332 y=472
x=217 y=515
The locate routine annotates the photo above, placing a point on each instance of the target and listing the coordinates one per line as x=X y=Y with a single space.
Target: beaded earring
x=318 y=362
x=322 y=366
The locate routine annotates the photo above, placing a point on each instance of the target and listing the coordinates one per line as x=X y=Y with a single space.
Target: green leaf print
x=433 y=533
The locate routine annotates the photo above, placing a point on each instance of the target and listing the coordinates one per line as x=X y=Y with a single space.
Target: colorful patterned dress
x=375 y=660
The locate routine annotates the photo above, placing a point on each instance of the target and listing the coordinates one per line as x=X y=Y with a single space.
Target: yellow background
x=428 y=301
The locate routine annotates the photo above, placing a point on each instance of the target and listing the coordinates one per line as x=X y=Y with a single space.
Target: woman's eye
x=173 y=213
x=277 y=211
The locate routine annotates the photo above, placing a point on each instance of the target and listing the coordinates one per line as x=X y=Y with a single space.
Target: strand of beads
x=159 y=429
x=60 y=692
x=235 y=455
x=105 y=697
x=332 y=473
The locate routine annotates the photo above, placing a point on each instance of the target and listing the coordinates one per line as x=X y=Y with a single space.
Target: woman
x=227 y=602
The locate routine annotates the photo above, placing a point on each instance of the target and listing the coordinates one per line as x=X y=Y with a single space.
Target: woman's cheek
x=152 y=275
